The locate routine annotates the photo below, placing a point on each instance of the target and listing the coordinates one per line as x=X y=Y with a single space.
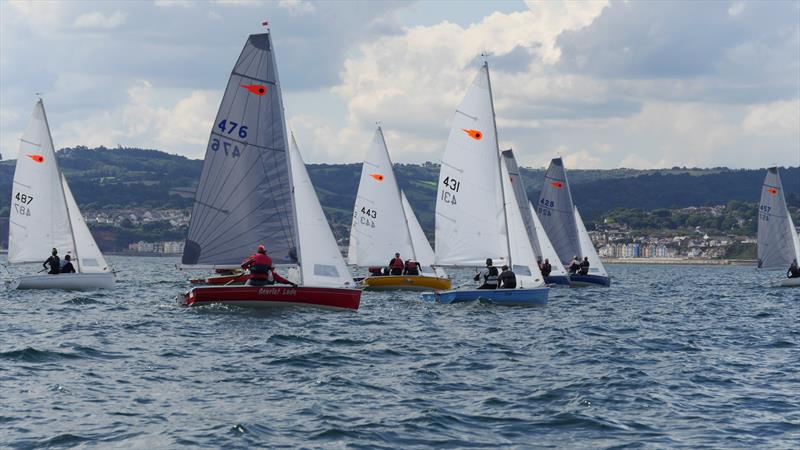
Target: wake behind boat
x=252 y=186
x=384 y=224
x=477 y=215
x=45 y=218
x=778 y=241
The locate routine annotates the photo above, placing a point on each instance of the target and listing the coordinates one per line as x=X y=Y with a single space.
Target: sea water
x=668 y=356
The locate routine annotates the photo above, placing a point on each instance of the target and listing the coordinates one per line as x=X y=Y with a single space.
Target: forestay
x=470 y=223
x=587 y=248
x=548 y=252
x=523 y=260
x=778 y=243
x=88 y=258
x=321 y=262
x=39 y=220
x=379 y=228
x=555 y=210
x=244 y=197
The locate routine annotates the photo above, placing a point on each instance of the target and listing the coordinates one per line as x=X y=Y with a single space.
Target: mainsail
x=379 y=228
x=470 y=216
x=778 y=242
x=321 y=262
x=555 y=210
x=245 y=193
x=39 y=220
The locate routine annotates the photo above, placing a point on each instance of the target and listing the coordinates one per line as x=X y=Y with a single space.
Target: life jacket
x=397 y=263
x=411 y=265
x=261 y=267
x=491 y=278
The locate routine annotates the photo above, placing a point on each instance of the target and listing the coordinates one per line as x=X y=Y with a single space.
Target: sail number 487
x=22 y=207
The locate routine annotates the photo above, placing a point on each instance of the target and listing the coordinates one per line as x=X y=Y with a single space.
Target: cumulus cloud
x=776 y=118
x=97 y=19
x=297 y=6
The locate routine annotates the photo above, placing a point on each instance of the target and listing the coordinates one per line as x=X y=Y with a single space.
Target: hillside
x=126 y=178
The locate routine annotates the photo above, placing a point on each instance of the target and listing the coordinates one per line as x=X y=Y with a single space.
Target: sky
x=601 y=84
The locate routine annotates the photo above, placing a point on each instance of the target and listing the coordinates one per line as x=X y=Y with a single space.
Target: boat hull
x=69 y=282
x=406 y=283
x=503 y=297
x=556 y=280
x=273 y=296
x=222 y=280
x=588 y=281
x=787 y=282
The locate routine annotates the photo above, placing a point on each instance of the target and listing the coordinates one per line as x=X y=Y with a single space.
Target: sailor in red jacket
x=261 y=270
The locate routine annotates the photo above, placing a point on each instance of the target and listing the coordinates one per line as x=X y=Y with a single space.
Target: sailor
x=67 y=267
x=507 y=279
x=396 y=265
x=584 y=266
x=794 y=270
x=489 y=275
x=54 y=261
x=546 y=268
x=411 y=268
x=574 y=265
x=261 y=270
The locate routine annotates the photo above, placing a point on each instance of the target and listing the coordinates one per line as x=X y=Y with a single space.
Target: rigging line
x=215 y=186
x=286 y=218
x=220 y=244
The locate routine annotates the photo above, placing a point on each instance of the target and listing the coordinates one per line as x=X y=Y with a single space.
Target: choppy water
x=671 y=356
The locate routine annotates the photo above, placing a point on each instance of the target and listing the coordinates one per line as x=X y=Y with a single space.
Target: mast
x=62 y=180
x=499 y=162
x=399 y=194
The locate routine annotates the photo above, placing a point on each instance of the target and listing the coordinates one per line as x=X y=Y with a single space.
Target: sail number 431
x=448 y=194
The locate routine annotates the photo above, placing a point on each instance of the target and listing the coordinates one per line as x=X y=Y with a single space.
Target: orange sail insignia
x=258 y=89
x=772 y=191
x=376 y=176
x=557 y=184
x=474 y=134
x=37 y=158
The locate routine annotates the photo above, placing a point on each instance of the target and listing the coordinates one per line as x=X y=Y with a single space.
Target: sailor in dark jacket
x=54 y=262
x=507 y=279
x=67 y=267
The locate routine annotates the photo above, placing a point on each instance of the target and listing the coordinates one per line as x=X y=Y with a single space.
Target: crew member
x=575 y=265
x=261 y=270
x=507 y=279
x=411 y=268
x=396 y=265
x=67 y=267
x=489 y=275
x=794 y=270
x=584 y=266
x=54 y=261
x=546 y=268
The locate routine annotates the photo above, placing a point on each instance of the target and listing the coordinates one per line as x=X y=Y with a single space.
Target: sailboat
x=542 y=247
x=477 y=215
x=44 y=215
x=252 y=190
x=385 y=224
x=563 y=224
x=778 y=242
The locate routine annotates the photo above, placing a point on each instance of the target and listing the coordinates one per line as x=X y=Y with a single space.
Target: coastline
x=681 y=261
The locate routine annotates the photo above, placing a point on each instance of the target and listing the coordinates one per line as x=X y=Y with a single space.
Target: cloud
x=297 y=7
x=776 y=118
x=97 y=19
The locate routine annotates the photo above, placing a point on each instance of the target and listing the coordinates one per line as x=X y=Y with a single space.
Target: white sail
x=548 y=251
x=422 y=248
x=777 y=237
x=379 y=227
x=38 y=221
x=321 y=263
x=470 y=222
x=523 y=258
x=88 y=259
x=587 y=248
